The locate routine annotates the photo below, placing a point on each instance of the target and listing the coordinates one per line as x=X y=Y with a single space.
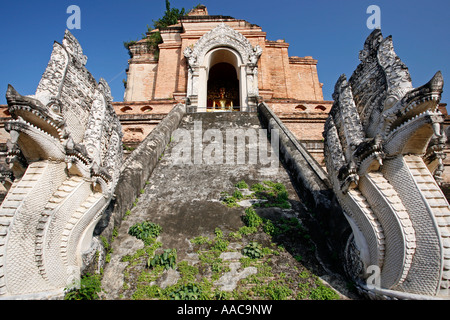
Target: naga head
x=70 y=118
x=415 y=118
x=38 y=129
x=379 y=114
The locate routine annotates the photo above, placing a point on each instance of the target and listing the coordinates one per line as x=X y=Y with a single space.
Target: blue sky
x=331 y=31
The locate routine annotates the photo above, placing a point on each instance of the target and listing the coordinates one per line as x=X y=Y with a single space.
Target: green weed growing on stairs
x=167 y=259
x=90 y=286
x=145 y=231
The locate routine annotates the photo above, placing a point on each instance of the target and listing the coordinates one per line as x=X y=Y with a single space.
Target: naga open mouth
x=419 y=103
x=30 y=113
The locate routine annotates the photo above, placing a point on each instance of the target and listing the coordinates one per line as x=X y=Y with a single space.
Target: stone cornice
x=302 y=60
x=143 y=103
x=170 y=45
x=142 y=61
x=303 y=116
x=287 y=100
x=277 y=44
x=214 y=18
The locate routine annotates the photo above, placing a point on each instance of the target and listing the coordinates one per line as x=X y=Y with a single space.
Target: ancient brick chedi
x=65 y=153
x=207 y=41
x=384 y=145
x=203 y=53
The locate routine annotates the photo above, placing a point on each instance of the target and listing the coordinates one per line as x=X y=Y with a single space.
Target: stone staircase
x=184 y=199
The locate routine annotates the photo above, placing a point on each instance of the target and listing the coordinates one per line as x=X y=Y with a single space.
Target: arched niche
x=223 y=84
x=321 y=108
x=222 y=44
x=223 y=70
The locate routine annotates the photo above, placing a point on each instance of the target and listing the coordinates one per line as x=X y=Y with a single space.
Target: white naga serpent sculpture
x=65 y=155
x=384 y=145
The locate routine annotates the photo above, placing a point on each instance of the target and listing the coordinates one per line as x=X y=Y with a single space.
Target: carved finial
x=371 y=45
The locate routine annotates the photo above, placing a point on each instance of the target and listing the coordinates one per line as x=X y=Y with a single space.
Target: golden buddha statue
x=222 y=103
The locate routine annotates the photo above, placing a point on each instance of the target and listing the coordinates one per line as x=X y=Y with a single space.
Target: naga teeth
x=437 y=129
x=417 y=116
x=14 y=136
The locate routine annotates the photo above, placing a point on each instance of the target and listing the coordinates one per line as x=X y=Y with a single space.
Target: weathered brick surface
x=283 y=76
x=141 y=81
x=167 y=75
x=289 y=85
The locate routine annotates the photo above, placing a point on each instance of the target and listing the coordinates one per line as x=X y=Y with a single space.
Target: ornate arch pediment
x=222 y=36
